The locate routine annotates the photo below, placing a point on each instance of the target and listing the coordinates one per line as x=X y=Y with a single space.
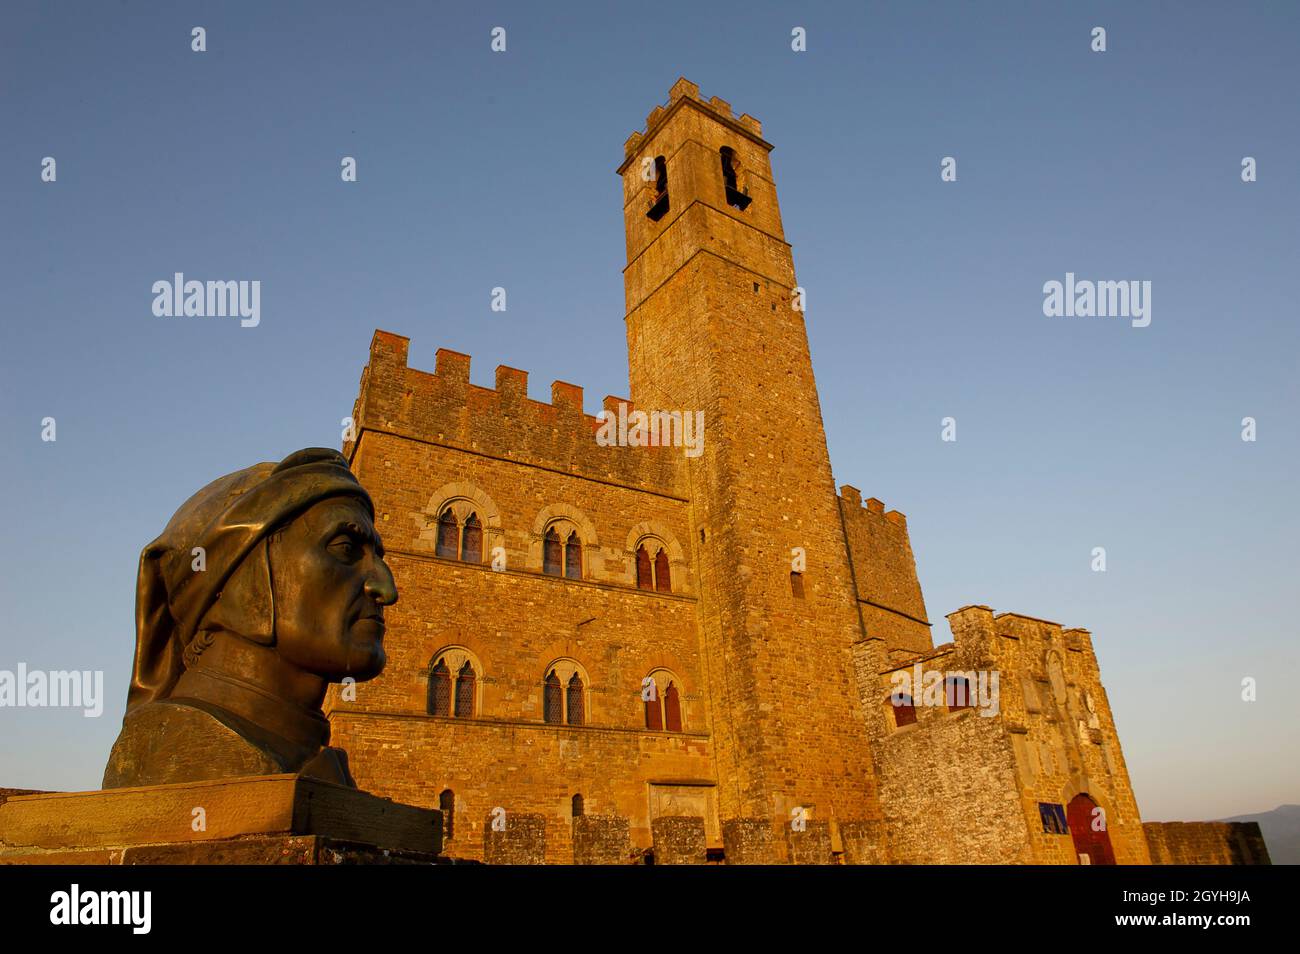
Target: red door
x=1085 y=819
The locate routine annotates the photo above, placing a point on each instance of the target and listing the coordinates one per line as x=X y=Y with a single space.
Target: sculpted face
x=331 y=585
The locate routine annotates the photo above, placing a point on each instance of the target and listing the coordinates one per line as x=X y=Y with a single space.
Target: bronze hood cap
x=228 y=518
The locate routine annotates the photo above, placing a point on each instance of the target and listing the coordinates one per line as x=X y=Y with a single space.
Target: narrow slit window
x=672 y=709
x=471 y=550
x=447 y=805
x=553 y=699
x=447 y=534
x=663 y=582
x=440 y=690
x=573 y=557
x=573 y=700
x=466 y=681
x=654 y=715
x=737 y=194
x=643 y=576
x=659 y=201
x=552 y=554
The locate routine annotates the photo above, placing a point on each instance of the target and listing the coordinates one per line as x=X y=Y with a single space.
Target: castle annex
x=604 y=651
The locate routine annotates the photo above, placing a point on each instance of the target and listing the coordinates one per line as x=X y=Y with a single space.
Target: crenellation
x=443 y=406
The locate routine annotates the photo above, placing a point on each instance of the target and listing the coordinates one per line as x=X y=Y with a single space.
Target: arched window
x=440 y=689
x=553 y=699
x=672 y=709
x=737 y=194
x=663 y=703
x=577 y=806
x=904 y=710
x=652 y=567
x=453 y=683
x=448 y=535
x=573 y=557
x=957 y=693
x=552 y=554
x=659 y=200
x=465 y=681
x=447 y=805
x=573 y=700
x=654 y=711
x=662 y=582
x=471 y=548
x=644 y=580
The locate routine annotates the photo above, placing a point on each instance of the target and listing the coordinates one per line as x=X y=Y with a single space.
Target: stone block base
x=265 y=819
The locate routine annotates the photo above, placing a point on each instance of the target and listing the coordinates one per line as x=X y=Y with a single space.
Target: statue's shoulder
x=170 y=741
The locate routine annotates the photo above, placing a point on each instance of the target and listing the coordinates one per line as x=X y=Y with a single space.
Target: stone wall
x=884 y=571
x=1206 y=843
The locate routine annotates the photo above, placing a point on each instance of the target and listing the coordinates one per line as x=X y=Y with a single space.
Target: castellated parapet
x=884 y=571
x=443 y=407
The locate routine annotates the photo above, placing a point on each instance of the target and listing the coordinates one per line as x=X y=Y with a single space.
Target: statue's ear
x=246 y=605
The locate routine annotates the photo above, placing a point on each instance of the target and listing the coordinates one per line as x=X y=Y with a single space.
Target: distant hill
x=1281 y=829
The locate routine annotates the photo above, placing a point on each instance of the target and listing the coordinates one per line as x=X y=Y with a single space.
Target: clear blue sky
x=925 y=299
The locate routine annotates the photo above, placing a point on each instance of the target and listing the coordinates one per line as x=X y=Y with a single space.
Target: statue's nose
x=380 y=585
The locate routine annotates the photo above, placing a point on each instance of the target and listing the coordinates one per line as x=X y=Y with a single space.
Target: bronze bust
x=266 y=586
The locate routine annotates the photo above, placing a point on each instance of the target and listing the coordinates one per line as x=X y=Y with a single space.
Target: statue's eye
x=345 y=548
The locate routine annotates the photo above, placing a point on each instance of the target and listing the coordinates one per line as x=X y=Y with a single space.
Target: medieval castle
x=617 y=649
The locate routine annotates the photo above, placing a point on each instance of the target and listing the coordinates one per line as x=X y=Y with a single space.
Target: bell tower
x=715 y=324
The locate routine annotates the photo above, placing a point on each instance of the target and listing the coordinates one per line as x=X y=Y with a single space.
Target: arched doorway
x=1087 y=840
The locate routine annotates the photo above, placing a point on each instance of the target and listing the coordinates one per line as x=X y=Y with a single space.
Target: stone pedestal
x=264 y=819
x=519 y=838
x=601 y=840
x=810 y=844
x=679 y=840
x=749 y=841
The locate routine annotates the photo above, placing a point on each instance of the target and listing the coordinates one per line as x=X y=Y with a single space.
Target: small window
x=1053 y=817
x=737 y=194
x=672 y=709
x=440 y=689
x=904 y=710
x=644 y=575
x=573 y=702
x=552 y=554
x=471 y=549
x=654 y=712
x=573 y=557
x=447 y=535
x=663 y=582
x=466 y=682
x=553 y=699
x=578 y=807
x=957 y=693
x=796 y=584
x=447 y=805
x=663 y=703
x=659 y=201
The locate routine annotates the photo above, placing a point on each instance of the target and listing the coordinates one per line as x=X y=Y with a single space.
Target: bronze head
x=266 y=586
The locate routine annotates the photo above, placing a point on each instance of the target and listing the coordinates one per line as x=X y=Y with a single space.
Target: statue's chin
x=365 y=662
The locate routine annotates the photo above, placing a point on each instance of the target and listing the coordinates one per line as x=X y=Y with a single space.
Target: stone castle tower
x=605 y=651
x=713 y=325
